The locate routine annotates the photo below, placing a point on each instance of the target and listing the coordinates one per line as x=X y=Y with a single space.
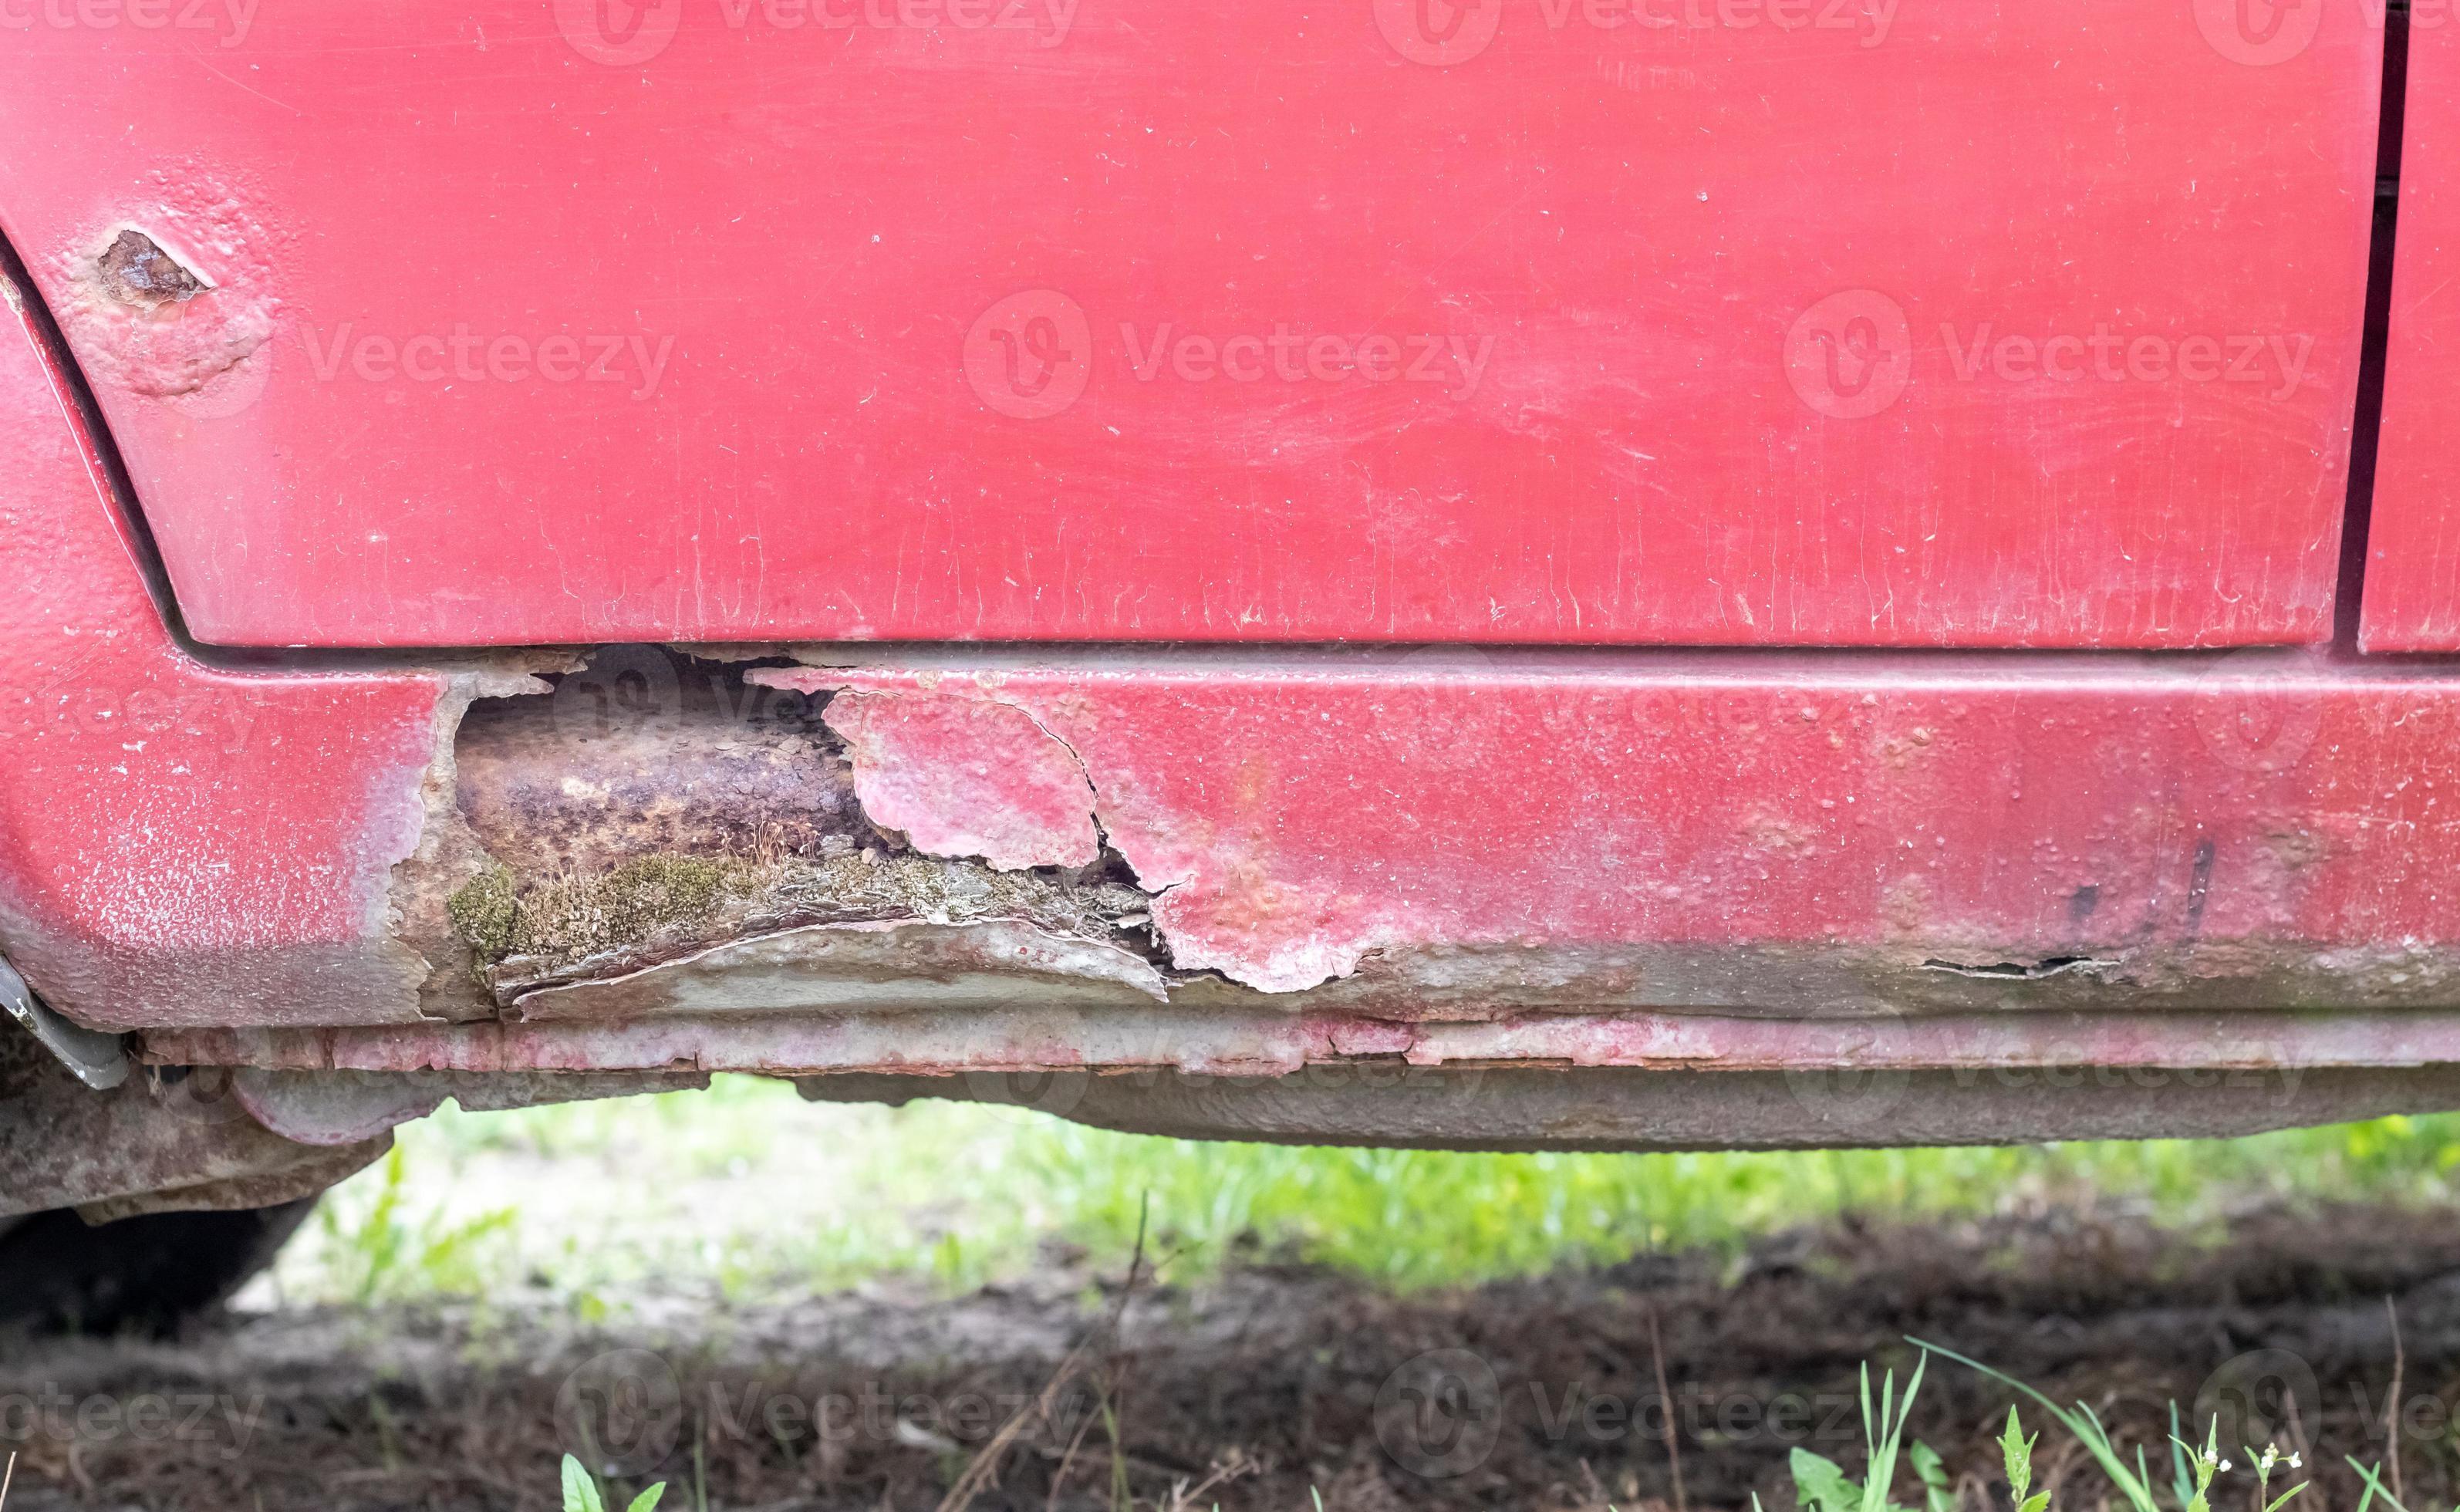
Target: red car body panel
x=179 y=841
x=1811 y=455
x=1567 y=321
x=2412 y=579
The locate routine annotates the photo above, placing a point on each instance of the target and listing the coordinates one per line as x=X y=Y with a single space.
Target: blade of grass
x=2081 y=1422
x=2374 y=1488
x=1891 y=1421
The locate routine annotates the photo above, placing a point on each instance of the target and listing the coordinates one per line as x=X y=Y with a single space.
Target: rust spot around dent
x=134 y=270
x=175 y=297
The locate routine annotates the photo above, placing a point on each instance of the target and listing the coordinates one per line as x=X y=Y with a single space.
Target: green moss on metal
x=657 y=905
x=486 y=910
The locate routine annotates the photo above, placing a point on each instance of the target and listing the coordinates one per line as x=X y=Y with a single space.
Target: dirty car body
x=1444 y=576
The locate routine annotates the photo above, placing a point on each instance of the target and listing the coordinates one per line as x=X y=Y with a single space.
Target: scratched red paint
x=1574 y=335
x=179 y=844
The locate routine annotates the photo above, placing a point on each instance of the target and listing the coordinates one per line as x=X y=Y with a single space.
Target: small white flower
x=2224 y=1467
x=2294 y=1462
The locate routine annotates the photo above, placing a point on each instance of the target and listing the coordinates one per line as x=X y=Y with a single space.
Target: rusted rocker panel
x=1581 y=869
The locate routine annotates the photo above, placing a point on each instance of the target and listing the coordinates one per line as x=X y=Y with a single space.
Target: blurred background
x=744 y=1193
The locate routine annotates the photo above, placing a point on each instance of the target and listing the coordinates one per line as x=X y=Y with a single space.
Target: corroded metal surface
x=866 y=967
x=336 y=1109
x=1263 y=1042
x=644 y=755
x=177 y=1139
x=1544 y=1108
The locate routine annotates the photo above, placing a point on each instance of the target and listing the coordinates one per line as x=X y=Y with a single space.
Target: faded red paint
x=734 y=328
x=2412 y=582
x=179 y=844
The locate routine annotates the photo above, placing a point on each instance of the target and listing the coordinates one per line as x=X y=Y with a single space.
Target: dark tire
x=148 y=1275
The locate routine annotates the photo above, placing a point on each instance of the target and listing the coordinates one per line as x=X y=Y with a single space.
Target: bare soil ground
x=1255 y=1390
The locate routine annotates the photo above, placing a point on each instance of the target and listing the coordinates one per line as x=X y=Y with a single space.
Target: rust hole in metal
x=657 y=803
x=2022 y=971
x=134 y=270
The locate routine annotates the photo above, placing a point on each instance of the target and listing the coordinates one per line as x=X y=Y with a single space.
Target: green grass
x=748 y=1190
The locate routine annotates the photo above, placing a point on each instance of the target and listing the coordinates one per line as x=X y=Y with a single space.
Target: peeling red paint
x=2264 y=825
x=963 y=775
